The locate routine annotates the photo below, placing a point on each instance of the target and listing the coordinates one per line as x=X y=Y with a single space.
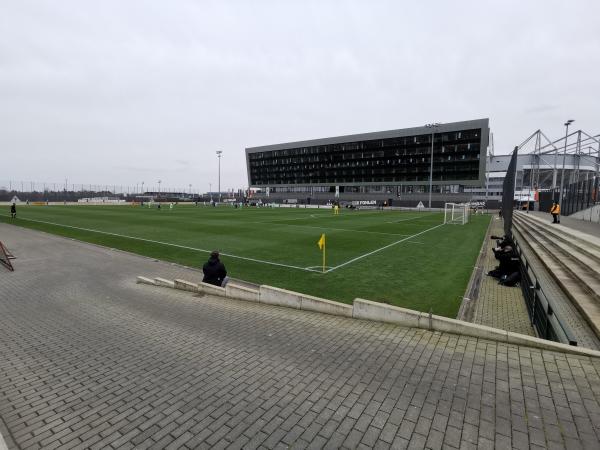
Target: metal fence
x=39 y=191
x=576 y=196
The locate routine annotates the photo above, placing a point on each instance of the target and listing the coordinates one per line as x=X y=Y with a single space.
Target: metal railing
x=542 y=313
x=576 y=196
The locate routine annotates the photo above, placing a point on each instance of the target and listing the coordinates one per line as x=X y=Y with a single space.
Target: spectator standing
x=555 y=211
x=214 y=271
x=13 y=211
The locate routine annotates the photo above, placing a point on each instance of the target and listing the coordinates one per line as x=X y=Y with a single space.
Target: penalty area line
x=170 y=244
x=383 y=248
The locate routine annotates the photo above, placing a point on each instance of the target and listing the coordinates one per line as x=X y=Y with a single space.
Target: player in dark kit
x=13 y=211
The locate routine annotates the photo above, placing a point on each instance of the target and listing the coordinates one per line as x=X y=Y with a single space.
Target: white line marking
x=328 y=228
x=169 y=244
x=404 y=220
x=383 y=248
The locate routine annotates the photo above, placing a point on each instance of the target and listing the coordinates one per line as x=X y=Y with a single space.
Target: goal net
x=5 y=257
x=456 y=213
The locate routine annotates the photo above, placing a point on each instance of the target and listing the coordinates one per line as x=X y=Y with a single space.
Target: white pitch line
x=383 y=248
x=170 y=244
x=328 y=228
x=405 y=220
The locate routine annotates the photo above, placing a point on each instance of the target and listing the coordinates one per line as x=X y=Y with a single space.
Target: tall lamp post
x=562 y=173
x=219 y=152
x=159 y=181
x=433 y=126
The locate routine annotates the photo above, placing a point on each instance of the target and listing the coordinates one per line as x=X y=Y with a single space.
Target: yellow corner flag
x=321 y=244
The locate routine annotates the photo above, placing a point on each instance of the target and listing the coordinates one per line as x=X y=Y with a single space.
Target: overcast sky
x=120 y=92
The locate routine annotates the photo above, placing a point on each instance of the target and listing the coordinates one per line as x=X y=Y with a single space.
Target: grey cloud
x=104 y=92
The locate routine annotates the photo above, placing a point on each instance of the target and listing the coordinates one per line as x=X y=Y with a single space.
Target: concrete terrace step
x=581 y=239
x=579 y=282
x=589 y=258
x=563 y=263
x=563 y=306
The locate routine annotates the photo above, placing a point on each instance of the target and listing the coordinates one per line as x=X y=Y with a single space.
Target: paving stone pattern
x=89 y=359
x=500 y=306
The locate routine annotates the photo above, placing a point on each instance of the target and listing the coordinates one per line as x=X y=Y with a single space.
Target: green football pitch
x=406 y=258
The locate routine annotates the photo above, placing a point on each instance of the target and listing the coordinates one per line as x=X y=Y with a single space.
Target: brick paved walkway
x=89 y=359
x=500 y=306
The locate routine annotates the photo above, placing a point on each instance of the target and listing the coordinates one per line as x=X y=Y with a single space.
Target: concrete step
x=558 y=241
x=570 y=260
x=585 y=240
x=564 y=308
x=567 y=274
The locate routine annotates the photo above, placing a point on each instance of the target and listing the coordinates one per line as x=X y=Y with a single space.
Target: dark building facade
x=397 y=161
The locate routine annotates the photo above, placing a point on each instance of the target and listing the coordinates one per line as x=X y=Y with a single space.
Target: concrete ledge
x=310 y=303
x=238 y=292
x=368 y=310
x=280 y=297
x=164 y=282
x=186 y=286
x=530 y=341
x=144 y=280
x=378 y=312
x=211 y=289
x=454 y=326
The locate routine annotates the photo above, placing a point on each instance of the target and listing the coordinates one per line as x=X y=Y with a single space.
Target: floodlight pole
x=219 y=152
x=433 y=126
x=562 y=174
x=159 y=181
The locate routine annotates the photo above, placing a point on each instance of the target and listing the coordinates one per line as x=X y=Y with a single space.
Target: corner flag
x=321 y=244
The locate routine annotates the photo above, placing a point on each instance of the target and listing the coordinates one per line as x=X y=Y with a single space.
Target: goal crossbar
x=456 y=213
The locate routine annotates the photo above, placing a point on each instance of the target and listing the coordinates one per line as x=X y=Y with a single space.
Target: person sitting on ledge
x=214 y=271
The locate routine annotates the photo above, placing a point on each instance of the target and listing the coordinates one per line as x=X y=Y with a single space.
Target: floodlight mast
x=562 y=173
x=219 y=153
x=433 y=126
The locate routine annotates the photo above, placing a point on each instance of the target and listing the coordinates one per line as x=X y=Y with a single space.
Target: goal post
x=5 y=257
x=456 y=213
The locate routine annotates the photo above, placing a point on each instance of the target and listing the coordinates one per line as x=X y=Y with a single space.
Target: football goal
x=5 y=257
x=456 y=213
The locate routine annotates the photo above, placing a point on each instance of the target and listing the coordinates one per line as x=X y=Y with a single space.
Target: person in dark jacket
x=13 y=211
x=214 y=271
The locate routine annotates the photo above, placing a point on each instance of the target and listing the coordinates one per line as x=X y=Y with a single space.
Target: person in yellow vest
x=555 y=211
x=336 y=208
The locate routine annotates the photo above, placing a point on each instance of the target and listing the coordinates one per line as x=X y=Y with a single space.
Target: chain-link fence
x=58 y=192
x=576 y=196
